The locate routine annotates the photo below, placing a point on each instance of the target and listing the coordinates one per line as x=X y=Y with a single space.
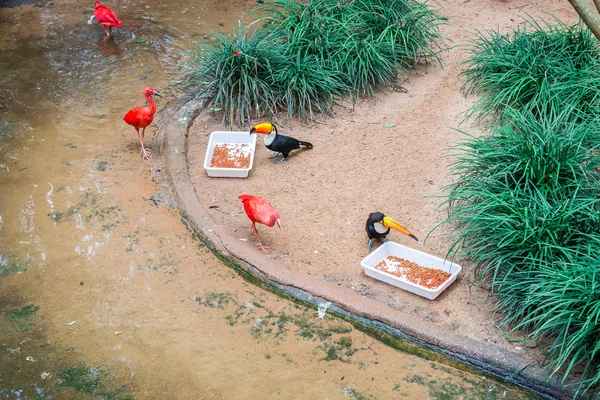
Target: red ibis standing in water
x=106 y=17
x=258 y=209
x=141 y=117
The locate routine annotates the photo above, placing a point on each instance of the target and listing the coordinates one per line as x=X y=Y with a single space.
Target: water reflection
x=108 y=46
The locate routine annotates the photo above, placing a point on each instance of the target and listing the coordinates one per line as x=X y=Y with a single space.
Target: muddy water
x=103 y=292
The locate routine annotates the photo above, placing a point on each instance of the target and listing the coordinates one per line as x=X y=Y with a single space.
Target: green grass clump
x=305 y=86
x=532 y=63
x=314 y=27
x=368 y=41
x=368 y=62
x=561 y=300
x=237 y=73
x=528 y=191
x=525 y=209
x=301 y=57
x=392 y=35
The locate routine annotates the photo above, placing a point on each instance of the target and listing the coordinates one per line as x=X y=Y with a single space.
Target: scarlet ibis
x=258 y=209
x=141 y=117
x=279 y=143
x=378 y=226
x=106 y=17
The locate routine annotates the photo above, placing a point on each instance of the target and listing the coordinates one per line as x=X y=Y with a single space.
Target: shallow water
x=103 y=291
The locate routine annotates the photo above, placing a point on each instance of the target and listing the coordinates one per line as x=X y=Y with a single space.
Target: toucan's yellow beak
x=263 y=127
x=390 y=223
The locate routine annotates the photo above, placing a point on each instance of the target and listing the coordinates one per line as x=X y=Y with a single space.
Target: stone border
x=490 y=358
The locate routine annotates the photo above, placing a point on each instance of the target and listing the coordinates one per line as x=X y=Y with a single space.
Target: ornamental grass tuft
x=521 y=67
x=410 y=28
x=237 y=75
x=528 y=191
x=561 y=300
x=369 y=41
x=525 y=209
x=303 y=57
x=306 y=86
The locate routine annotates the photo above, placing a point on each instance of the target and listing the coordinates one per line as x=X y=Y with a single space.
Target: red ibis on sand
x=258 y=209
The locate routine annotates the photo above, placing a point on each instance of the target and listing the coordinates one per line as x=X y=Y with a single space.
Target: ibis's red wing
x=260 y=210
x=107 y=16
x=139 y=117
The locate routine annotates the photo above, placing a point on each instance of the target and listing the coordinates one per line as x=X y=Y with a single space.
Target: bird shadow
x=108 y=46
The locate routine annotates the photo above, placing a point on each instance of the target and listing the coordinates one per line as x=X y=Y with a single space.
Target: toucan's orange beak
x=263 y=127
x=390 y=223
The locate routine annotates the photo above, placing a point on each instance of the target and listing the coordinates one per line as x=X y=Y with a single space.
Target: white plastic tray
x=423 y=259
x=219 y=137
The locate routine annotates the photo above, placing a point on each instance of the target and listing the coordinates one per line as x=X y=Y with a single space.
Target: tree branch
x=588 y=16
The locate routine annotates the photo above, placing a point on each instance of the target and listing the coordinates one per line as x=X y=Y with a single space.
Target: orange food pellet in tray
x=430 y=278
x=231 y=155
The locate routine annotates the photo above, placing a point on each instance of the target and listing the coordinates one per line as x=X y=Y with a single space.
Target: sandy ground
x=358 y=165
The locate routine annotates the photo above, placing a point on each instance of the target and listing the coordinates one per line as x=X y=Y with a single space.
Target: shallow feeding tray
x=377 y=257
x=239 y=146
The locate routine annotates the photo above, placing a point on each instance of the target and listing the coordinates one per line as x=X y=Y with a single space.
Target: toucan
x=279 y=143
x=378 y=226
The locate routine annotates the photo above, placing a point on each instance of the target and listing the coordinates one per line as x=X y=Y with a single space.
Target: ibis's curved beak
x=160 y=95
x=390 y=223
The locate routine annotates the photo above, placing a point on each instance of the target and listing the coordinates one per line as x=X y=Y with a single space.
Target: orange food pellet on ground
x=430 y=278
x=230 y=156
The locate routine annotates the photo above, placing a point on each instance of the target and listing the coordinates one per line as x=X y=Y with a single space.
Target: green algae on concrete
x=90 y=380
x=330 y=337
x=102 y=166
x=33 y=367
x=21 y=313
x=445 y=389
x=9 y=265
x=19 y=317
x=81 y=378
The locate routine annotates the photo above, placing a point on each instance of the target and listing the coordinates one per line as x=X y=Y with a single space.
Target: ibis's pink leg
x=104 y=27
x=145 y=152
x=260 y=245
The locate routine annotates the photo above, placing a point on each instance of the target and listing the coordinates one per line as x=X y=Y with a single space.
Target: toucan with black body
x=281 y=144
x=378 y=227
